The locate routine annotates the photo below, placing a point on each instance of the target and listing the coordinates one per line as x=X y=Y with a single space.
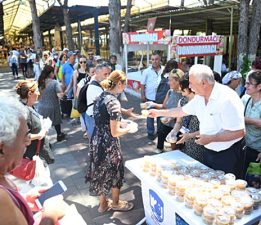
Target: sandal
x=107 y=208
x=123 y=206
x=103 y=210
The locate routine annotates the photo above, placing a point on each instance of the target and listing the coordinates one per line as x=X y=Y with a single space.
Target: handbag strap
x=38 y=147
x=246 y=106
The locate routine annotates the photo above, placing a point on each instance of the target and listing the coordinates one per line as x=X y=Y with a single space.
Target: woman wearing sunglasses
x=78 y=75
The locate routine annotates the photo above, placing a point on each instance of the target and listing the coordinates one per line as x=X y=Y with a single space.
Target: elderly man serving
x=221 y=116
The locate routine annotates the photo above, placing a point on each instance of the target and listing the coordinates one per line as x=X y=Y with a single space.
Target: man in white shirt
x=94 y=89
x=221 y=116
x=150 y=80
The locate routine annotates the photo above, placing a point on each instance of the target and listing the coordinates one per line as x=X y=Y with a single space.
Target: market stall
x=149 y=41
x=163 y=203
x=176 y=47
x=196 y=46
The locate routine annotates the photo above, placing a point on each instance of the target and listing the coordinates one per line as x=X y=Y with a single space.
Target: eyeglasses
x=91 y=54
x=81 y=62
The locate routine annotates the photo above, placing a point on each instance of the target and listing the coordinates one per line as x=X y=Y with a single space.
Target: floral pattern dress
x=191 y=148
x=105 y=165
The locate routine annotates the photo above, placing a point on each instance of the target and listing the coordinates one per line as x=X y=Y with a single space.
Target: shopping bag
x=253 y=175
x=26 y=169
x=42 y=175
x=74 y=114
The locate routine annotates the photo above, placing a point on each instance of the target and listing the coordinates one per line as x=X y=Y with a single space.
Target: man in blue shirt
x=67 y=72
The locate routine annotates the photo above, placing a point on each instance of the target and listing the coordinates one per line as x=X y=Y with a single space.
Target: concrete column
x=57 y=37
x=50 y=39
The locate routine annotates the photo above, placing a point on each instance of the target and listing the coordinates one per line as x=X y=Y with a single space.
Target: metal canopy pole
x=231 y=37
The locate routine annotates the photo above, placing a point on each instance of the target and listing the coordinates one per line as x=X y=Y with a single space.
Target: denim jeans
x=150 y=126
x=89 y=124
x=83 y=115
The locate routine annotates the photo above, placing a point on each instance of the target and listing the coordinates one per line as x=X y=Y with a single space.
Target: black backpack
x=82 y=100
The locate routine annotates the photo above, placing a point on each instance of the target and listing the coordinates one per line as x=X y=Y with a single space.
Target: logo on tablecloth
x=157 y=206
x=180 y=220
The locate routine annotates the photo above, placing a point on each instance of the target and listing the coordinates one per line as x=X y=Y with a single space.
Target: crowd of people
x=198 y=112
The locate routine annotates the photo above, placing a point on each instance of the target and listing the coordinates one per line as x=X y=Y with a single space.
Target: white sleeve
x=144 y=77
x=190 y=107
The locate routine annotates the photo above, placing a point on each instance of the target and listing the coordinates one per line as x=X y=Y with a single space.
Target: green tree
x=248 y=32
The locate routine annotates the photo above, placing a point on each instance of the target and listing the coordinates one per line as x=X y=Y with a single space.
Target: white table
x=160 y=207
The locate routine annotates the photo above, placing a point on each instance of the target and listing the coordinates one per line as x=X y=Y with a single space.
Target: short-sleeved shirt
x=67 y=71
x=151 y=79
x=60 y=70
x=224 y=111
x=93 y=91
x=253 y=133
x=114 y=108
x=23 y=57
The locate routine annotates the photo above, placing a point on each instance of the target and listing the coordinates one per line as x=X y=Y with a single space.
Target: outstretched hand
x=129 y=112
x=153 y=113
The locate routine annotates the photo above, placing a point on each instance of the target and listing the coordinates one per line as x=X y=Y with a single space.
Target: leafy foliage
x=246 y=67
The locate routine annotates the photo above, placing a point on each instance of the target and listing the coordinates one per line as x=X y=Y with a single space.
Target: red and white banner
x=190 y=46
x=150 y=37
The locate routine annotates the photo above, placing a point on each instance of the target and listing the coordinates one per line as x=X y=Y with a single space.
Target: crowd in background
x=198 y=111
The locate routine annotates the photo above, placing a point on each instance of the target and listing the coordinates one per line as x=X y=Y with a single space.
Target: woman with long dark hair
x=49 y=104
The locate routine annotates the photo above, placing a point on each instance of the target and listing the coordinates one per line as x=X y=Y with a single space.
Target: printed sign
x=151 y=23
x=150 y=37
x=190 y=46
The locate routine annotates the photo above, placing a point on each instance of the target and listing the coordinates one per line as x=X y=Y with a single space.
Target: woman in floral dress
x=187 y=140
x=106 y=169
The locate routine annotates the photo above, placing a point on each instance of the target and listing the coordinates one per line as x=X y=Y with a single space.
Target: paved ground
x=70 y=166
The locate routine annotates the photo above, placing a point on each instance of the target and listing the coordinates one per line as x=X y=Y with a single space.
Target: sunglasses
x=83 y=62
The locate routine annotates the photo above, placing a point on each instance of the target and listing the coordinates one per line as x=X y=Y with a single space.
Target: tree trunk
x=67 y=24
x=36 y=25
x=115 y=27
x=182 y=3
x=127 y=16
x=210 y=2
x=254 y=30
x=242 y=33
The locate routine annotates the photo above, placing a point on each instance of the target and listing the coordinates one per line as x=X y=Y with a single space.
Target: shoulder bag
x=26 y=169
